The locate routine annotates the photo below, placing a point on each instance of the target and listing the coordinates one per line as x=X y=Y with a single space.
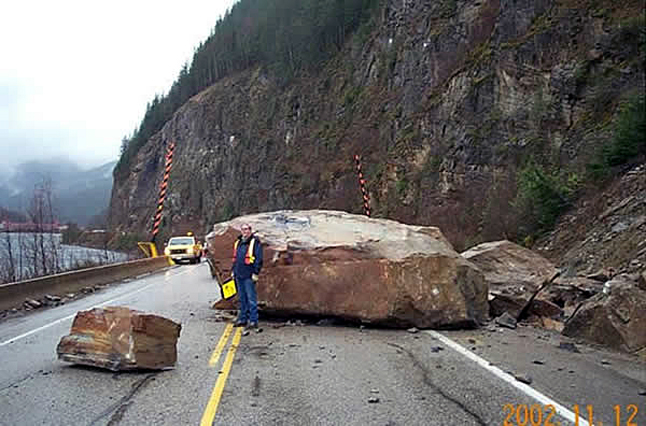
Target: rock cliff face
x=443 y=99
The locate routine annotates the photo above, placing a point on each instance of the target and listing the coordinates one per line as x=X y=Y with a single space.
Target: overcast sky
x=75 y=76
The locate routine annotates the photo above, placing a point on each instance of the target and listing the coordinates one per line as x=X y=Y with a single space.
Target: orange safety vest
x=249 y=258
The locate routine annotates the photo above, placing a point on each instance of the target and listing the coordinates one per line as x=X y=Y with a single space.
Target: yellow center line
x=214 y=401
x=220 y=347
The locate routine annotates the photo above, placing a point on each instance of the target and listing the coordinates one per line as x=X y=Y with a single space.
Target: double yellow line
x=214 y=401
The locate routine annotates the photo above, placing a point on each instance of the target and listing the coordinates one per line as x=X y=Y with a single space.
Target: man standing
x=247 y=262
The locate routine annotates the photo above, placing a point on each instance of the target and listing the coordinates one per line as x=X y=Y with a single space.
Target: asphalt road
x=308 y=374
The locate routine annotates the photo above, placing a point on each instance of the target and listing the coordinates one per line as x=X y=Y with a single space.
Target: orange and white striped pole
x=362 y=184
x=162 y=190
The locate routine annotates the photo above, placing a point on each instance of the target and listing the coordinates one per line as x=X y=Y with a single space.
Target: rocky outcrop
x=331 y=263
x=613 y=318
x=118 y=338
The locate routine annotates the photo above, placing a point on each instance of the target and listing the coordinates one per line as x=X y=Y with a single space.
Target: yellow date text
x=545 y=415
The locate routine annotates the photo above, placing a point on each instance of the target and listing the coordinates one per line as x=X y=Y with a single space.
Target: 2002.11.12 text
x=544 y=415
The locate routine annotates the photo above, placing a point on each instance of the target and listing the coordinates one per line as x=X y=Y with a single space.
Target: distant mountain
x=78 y=195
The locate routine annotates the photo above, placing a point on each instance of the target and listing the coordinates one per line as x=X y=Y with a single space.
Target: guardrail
x=13 y=295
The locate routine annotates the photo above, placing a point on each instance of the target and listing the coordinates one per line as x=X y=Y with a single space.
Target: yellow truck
x=185 y=248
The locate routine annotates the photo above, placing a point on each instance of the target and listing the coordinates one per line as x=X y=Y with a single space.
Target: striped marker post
x=362 y=184
x=162 y=190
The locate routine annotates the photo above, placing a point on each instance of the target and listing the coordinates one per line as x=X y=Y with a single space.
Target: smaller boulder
x=614 y=318
x=119 y=338
x=508 y=266
x=513 y=303
x=513 y=273
x=506 y=320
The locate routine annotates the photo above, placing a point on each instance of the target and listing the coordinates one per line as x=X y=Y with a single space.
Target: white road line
x=36 y=330
x=528 y=390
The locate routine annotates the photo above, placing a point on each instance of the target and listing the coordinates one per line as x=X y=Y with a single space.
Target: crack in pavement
x=429 y=382
x=118 y=409
x=10 y=385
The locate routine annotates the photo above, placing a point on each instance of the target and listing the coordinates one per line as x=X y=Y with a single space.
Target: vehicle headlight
x=189 y=250
x=167 y=251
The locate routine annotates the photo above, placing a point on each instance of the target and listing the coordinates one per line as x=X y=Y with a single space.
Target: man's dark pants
x=246 y=289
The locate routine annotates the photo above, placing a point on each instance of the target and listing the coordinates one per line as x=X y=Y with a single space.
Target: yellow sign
x=228 y=289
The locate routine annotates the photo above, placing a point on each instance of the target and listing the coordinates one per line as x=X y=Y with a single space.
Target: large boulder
x=513 y=273
x=614 y=317
x=331 y=263
x=118 y=338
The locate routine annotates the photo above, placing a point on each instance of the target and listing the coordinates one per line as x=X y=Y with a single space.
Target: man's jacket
x=247 y=262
